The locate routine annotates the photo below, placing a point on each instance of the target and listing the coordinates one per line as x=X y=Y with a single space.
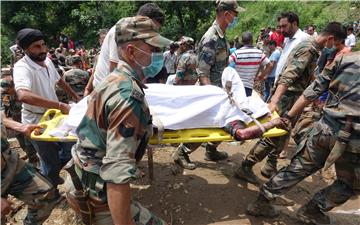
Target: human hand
x=273 y=107
x=28 y=128
x=6 y=207
x=64 y=108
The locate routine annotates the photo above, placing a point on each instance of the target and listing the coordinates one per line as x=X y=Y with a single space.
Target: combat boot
x=212 y=154
x=269 y=169
x=262 y=207
x=310 y=213
x=244 y=172
x=182 y=159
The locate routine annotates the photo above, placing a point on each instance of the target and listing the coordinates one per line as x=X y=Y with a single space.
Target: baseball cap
x=229 y=5
x=140 y=28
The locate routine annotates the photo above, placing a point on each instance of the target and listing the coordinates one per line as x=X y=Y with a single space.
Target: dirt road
x=211 y=195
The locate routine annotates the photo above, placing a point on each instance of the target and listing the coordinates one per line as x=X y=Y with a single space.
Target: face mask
x=233 y=23
x=157 y=62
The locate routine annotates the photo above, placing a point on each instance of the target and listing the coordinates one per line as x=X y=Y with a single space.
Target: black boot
x=310 y=213
x=212 y=154
x=244 y=172
x=262 y=207
x=182 y=158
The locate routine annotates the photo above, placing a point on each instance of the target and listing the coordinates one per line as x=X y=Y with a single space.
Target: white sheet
x=186 y=107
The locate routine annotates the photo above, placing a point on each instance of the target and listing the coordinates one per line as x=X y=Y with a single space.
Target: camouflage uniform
x=186 y=69
x=112 y=136
x=24 y=182
x=12 y=109
x=343 y=81
x=213 y=53
x=296 y=75
x=77 y=79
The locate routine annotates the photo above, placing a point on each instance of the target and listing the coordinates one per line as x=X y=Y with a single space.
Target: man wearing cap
x=117 y=125
x=76 y=77
x=35 y=77
x=213 y=53
x=186 y=66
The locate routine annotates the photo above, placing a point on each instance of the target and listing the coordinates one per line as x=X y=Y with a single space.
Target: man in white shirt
x=35 y=78
x=109 y=57
x=170 y=59
x=289 y=26
x=350 y=41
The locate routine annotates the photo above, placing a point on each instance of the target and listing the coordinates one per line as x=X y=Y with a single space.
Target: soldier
x=334 y=138
x=213 y=53
x=76 y=77
x=296 y=76
x=186 y=67
x=117 y=125
x=12 y=109
x=22 y=180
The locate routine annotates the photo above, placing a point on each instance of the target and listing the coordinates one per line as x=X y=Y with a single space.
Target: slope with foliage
x=81 y=20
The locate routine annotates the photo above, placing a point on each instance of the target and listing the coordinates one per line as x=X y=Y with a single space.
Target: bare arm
x=22 y=128
x=30 y=98
x=266 y=72
x=118 y=196
x=280 y=90
x=204 y=80
x=68 y=90
x=89 y=87
x=299 y=106
x=112 y=66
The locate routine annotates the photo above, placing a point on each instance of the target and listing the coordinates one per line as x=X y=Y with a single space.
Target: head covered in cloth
x=27 y=36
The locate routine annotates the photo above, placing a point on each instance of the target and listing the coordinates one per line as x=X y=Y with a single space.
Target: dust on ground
x=210 y=194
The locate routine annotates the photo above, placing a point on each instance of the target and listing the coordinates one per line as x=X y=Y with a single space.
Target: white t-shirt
x=108 y=53
x=169 y=62
x=37 y=79
x=350 y=41
x=289 y=44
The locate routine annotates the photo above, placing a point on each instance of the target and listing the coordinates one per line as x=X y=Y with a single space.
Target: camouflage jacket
x=342 y=79
x=116 y=124
x=186 y=68
x=77 y=79
x=213 y=52
x=300 y=66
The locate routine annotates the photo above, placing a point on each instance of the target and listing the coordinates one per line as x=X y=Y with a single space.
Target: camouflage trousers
x=311 y=156
x=190 y=147
x=24 y=182
x=28 y=147
x=272 y=147
x=140 y=214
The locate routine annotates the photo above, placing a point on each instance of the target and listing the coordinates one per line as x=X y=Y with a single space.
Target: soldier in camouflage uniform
x=186 y=67
x=22 y=180
x=117 y=125
x=295 y=77
x=338 y=131
x=213 y=52
x=12 y=109
x=76 y=77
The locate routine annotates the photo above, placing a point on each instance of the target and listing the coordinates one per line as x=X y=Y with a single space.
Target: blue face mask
x=233 y=23
x=157 y=63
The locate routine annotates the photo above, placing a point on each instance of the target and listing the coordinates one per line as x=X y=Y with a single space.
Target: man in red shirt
x=278 y=37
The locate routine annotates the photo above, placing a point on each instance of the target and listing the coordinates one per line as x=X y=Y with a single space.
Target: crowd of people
x=309 y=77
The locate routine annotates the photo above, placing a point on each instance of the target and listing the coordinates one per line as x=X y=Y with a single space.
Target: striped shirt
x=247 y=62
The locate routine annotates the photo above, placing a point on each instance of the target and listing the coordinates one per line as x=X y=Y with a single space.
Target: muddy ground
x=210 y=194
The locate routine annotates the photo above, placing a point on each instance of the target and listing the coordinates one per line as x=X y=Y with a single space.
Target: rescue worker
x=117 y=125
x=334 y=138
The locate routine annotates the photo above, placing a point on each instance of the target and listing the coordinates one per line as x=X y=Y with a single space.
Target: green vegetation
x=82 y=20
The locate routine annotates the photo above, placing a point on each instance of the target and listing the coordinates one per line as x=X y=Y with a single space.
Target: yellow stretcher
x=53 y=118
